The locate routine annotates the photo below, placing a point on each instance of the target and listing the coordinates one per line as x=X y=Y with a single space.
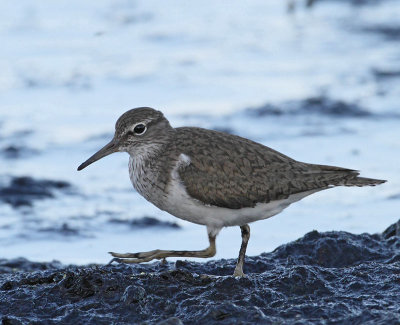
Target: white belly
x=184 y=207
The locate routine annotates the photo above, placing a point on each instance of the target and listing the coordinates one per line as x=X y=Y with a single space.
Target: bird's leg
x=162 y=254
x=245 y=239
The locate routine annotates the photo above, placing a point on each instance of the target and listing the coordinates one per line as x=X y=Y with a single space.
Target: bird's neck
x=145 y=152
x=144 y=168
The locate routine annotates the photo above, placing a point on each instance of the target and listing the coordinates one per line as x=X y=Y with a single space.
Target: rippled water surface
x=319 y=83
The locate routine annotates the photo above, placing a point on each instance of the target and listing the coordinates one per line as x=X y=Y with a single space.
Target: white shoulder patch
x=184 y=159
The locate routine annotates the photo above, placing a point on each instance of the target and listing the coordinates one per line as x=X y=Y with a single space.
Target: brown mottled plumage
x=213 y=178
x=235 y=172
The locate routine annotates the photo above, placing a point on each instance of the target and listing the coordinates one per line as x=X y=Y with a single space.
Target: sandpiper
x=212 y=178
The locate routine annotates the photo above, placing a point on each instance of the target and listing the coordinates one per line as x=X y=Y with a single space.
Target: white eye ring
x=140 y=129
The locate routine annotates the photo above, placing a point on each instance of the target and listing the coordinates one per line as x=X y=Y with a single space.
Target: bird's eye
x=140 y=129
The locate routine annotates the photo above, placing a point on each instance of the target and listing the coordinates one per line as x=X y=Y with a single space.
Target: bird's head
x=137 y=131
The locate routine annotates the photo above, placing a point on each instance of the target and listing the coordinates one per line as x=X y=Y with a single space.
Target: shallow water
x=70 y=69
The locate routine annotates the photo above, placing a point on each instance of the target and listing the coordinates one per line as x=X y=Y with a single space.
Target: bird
x=212 y=178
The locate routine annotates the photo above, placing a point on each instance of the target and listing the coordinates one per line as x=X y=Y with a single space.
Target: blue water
x=70 y=69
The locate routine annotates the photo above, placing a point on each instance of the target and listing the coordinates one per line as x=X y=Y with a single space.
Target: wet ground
x=323 y=278
x=316 y=80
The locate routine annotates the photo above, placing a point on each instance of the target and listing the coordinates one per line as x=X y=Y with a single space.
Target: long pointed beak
x=108 y=149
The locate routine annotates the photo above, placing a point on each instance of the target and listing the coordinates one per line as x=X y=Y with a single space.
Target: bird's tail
x=363 y=181
x=338 y=176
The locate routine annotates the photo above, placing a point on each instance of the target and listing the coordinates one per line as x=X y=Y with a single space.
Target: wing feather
x=229 y=171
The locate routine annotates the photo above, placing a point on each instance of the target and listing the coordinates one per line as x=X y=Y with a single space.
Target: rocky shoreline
x=322 y=278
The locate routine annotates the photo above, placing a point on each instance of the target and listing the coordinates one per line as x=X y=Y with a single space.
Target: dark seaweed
x=384 y=74
x=310 y=3
x=146 y=222
x=322 y=278
x=17 y=152
x=388 y=32
x=312 y=106
x=23 y=191
x=64 y=229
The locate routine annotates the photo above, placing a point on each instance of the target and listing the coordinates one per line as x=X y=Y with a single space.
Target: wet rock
x=332 y=277
x=392 y=231
x=315 y=105
x=11 y=321
x=384 y=74
x=146 y=222
x=23 y=265
x=133 y=294
x=293 y=5
x=23 y=191
x=171 y=321
x=17 y=152
x=388 y=32
x=65 y=230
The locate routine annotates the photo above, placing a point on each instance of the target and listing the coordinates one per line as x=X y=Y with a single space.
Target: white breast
x=136 y=173
x=181 y=205
x=142 y=178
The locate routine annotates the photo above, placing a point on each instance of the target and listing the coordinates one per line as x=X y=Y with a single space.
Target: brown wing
x=230 y=171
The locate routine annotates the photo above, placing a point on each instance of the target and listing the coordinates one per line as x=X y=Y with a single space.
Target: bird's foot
x=136 y=255
x=132 y=258
x=159 y=254
x=117 y=260
x=239 y=272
